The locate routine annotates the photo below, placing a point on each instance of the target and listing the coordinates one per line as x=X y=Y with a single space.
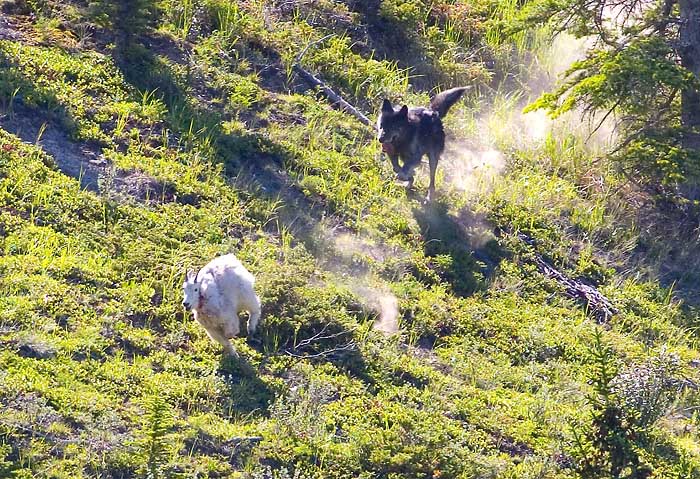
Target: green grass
x=102 y=374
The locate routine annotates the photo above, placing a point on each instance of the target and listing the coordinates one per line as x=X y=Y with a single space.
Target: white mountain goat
x=216 y=294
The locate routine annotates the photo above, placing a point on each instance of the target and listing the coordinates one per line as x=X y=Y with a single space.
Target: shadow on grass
x=257 y=165
x=44 y=121
x=190 y=124
x=247 y=393
x=255 y=162
x=667 y=247
x=464 y=252
x=323 y=339
x=392 y=41
x=159 y=65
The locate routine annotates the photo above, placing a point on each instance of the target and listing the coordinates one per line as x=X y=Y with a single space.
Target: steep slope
x=141 y=139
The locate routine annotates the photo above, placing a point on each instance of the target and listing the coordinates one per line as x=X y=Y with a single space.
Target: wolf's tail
x=442 y=102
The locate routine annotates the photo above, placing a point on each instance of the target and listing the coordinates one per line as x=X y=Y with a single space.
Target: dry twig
x=318 y=337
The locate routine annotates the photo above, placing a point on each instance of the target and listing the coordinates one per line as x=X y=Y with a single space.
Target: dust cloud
x=345 y=257
x=471 y=168
x=382 y=302
x=375 y=297
x=479 y=157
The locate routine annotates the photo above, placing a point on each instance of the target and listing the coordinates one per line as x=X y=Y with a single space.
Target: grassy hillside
x=142 y=138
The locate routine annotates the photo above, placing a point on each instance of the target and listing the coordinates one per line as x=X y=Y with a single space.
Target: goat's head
x=191 y=290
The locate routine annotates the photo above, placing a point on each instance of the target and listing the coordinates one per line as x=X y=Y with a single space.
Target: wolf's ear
x=386 y=106
x=403 y=111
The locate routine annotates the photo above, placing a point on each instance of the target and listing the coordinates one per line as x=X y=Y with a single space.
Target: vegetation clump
x=139 y=138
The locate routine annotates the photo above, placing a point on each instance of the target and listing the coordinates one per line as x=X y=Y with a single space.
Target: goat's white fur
x=222 y=289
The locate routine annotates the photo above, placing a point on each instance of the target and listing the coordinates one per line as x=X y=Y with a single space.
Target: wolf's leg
x=433 y=158
x=403 y=175
x=395 y=163
x=409 y=166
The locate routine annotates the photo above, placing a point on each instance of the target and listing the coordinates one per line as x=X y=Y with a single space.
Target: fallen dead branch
x=330 y=94
x=237 y=441
x=316 y=82
x=599 y=305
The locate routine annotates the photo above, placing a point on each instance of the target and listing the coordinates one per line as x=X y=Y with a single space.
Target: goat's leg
x=218 y=337
x=232 y=326
x=254 y=317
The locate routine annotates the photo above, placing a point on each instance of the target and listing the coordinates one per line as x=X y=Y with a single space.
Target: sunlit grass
x=103 y=373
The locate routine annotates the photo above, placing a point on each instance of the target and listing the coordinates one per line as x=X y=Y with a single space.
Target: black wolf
x=410 y=133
